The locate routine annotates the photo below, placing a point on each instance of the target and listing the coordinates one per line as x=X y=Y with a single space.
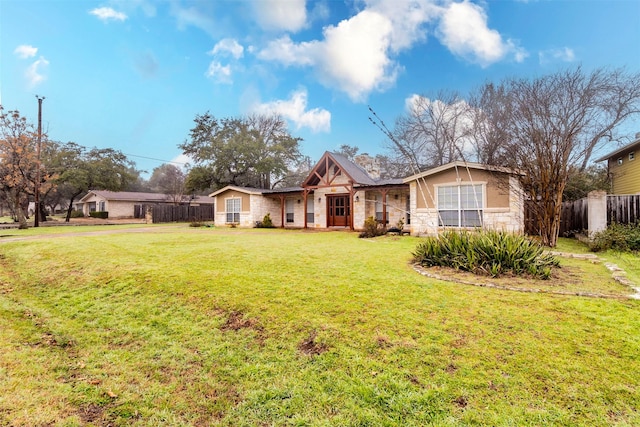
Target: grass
x=189 y=326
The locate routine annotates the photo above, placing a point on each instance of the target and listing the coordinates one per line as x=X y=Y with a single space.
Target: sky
x=133 y=74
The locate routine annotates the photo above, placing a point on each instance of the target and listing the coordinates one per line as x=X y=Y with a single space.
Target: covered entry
x=338 y=210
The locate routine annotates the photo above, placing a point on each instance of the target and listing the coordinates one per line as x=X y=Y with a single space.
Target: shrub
x=99 y=214
x=266 y=222
x=77 y=214
x=485 y=252
x=371 y=228
x=621 y=237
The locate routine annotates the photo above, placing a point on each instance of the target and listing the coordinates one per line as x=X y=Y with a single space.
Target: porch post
x=384 y=208
x=305 y=193
x=351 y=206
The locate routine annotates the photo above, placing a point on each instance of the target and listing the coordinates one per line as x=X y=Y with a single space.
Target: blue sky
x=133 y=74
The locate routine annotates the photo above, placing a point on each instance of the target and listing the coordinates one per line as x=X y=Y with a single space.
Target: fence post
x=597 y=211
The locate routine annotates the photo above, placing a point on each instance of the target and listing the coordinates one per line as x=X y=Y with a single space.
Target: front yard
x=231 y=327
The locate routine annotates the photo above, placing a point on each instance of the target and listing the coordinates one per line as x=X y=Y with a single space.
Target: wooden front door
x=339 y=211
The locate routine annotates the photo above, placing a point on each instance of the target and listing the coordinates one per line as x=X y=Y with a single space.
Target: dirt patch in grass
x=310 y=347
x=237 y=321
x=91 y=413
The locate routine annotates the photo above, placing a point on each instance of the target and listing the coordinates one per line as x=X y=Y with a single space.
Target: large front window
x=460 y=206
x=233 y=210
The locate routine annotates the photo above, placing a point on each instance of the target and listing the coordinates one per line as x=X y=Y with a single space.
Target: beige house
x=624 y=169
x=122 y=204
x=341 y=194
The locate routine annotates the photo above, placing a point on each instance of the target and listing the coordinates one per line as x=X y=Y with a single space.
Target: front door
x=339 y=211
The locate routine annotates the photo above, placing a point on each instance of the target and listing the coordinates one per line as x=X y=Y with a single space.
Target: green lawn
x=231 y=327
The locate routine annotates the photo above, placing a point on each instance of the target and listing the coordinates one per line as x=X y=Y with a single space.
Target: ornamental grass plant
x=487 y=252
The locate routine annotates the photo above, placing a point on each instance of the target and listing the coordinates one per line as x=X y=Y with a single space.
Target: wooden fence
x=575 y=215
x=176 y=213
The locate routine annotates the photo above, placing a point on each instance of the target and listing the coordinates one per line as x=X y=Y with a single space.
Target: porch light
x=357 y=199
x=319 y=199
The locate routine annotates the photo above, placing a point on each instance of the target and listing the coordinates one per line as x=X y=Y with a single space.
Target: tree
x=170 y=180
x=80 y=169
x=581 y=183
x=432 y=132
x=18 y=162
x=251 y=151
x=546 y=126
x=349 y=151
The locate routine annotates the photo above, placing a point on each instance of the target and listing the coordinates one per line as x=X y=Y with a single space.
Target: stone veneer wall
x=510 y=218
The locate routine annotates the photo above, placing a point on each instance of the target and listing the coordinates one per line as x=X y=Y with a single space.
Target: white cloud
x=295 y=110
x=463 y=30
x=356 y=55
x=564 y=54
x=192 y=16
x=230 y=46
x=25 y=51
x=34 y=72
x=352 y=57
x=220 y=73
x=279 y=15
x=106 y=13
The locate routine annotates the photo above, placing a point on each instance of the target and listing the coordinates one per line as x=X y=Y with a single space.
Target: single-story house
x=624 y=169
x=339 y=193
x=122 y=204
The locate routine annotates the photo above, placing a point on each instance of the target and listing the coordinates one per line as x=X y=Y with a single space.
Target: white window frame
x=289 y=209
x=459 y=207
x=233 y=206
x=632 y=155
x=310 y=209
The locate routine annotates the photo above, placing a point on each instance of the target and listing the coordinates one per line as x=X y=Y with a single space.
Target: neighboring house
x=339 y=193
x=624 y=169
x=121 y=204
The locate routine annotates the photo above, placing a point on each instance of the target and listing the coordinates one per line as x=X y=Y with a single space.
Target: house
x=624 y=169
x=341 y=194
x=122 y=204
x=337 y=193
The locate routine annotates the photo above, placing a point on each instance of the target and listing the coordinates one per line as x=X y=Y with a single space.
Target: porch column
x=384 y=208
x=305 y=193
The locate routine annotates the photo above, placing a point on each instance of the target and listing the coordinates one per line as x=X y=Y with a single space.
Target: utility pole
x=37 y=184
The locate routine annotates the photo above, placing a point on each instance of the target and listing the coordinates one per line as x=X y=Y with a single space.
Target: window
x=460 y=206
x=408 y=210
x=378 y=207
x=620 y=160
x=310 y=215
x=289 y=210
x=632 y=155
x=233 y=210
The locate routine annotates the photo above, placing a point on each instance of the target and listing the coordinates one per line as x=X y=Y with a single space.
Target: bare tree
x=435 y=131
x=545 y=126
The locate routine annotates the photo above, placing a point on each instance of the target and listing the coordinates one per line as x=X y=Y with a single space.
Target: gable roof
x=461 y=165
x=257 y=191
x=354 y=172
x=134 y=196
x=621 y=149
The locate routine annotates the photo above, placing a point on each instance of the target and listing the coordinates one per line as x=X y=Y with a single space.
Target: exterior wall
x=504 y=210
x=246 y=217
x=625 y=177
x=120 y=209
x=497 y=194
x=396 y=207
